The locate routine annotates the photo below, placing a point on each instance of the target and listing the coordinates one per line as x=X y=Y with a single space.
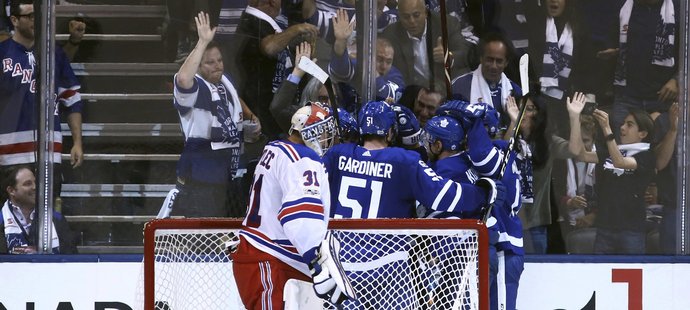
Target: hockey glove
x=492 y=121
x=409 y=130
x=330 y=281
x=496 y=189
x=463 y=111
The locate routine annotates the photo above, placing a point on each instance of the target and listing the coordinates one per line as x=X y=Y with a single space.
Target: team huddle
x=304 y=180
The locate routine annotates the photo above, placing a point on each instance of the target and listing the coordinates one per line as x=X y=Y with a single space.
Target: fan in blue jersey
x=482 y=158
x=375 y=180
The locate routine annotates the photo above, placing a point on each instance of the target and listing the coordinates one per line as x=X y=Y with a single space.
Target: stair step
x=127 y=157
x=126 y=130
x=115 y=190
x=125 y=69
x=93 y=96
x=111 y=11
x=112 y=37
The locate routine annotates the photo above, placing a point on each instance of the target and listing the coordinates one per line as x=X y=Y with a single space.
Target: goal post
x=391 y=263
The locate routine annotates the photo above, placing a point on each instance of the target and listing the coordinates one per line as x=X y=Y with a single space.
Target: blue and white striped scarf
x=14 y=234
x=664 y=43
x=284 y=63
x=558 y=55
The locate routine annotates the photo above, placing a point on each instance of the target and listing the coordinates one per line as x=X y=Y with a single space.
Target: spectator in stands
x=409 y=37
x=320 y=13
x=666 y=130
x=77 y=49
x=488 y=83
x=18 y=105
x=77 y=29
x=459 y=10
x=19 y=220
x=426 y=104
x=507 y=17
x=539 y=147
x=227 y=37
x=211 y=115
x=5 y=23
x=579 y=202
x=421 y=101
x=558 y=56
x=287 y=99
x=646 y=41
x=623 y=174
x=265 y=56
x=179 y=33
x=342 y=66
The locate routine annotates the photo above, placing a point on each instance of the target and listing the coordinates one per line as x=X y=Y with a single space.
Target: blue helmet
x=348 y=125
x=376 y=118
x=448 y=130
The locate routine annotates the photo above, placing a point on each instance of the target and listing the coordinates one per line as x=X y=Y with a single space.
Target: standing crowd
x=451 y=131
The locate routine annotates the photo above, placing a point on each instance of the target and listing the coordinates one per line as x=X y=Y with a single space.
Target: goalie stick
x=308 y=66
x=524 y=84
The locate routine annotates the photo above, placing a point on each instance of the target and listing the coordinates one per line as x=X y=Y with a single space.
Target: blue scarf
x=664 y=43
x=558 y=56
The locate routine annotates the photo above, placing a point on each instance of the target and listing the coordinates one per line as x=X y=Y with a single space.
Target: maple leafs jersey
x=385 y=184
x=486 y=157
x=288 y=204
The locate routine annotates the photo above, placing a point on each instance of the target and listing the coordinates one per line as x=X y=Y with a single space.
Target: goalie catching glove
x=328 y=276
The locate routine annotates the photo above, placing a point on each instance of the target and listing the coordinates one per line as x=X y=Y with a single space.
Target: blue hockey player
x=482 y=158
x=375 y=180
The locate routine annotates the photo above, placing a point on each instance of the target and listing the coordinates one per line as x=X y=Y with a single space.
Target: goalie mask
x=316 y=127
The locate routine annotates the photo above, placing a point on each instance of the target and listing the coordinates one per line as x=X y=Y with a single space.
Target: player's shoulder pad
x=295 y=151
x=341 y=149
x=401 y=155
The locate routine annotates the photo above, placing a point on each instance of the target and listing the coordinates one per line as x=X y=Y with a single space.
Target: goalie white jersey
x=288 y=204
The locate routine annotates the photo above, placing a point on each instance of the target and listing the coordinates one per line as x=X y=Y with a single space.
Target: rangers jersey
x=288 y=203
x=18 y=102
x=386 y=183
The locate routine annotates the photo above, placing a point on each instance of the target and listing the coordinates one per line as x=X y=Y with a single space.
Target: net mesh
x=426 y=269
x=389 y=269
x=193 y=270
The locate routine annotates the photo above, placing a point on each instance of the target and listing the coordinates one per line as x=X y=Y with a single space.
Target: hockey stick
x=308 y=66
x=524 y=84
x=430 y=47
x=444 y=41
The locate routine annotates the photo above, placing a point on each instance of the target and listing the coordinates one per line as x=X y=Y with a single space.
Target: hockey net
x=391 y=263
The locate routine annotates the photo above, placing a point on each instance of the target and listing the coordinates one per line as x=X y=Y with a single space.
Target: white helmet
x=316 y=126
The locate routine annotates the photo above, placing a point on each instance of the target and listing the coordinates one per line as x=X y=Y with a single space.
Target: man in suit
x=409 y=38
